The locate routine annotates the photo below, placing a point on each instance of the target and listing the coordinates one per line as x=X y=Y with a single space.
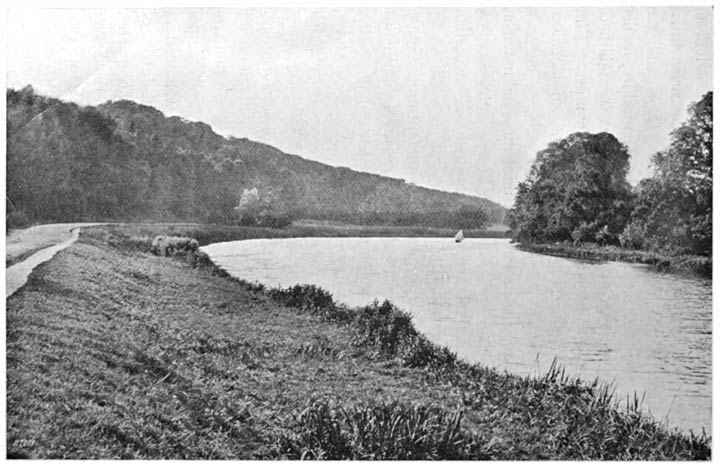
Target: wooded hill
x=125 y=161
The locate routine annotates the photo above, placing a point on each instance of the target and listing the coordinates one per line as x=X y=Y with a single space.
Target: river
x=644 y=331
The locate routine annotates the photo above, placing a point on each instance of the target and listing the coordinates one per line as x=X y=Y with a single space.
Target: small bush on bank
x=381 y=431
x=306 y=297
x=385 y=326
x=421 y=352
x=138 y=243
x=173 y=245
x=201 y=261
x=633 y=236
x=311 y=299
x=128 y=243
x=381 y=326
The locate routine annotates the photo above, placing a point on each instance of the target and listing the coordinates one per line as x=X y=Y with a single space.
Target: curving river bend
x=645 y=331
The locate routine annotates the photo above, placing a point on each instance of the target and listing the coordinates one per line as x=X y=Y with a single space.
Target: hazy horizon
x=451 y=99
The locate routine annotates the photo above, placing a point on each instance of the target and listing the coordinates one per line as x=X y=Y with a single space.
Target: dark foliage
x=126 y=161
x=673 y=210
x=66 y=163
x=383 y=431
x=576 y=191
x=380 y=326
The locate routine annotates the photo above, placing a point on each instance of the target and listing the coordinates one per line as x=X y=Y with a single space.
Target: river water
x=644 y=331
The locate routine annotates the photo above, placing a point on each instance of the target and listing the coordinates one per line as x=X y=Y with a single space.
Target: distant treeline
x=124 y=161
x=465 y=217
x=577 y=192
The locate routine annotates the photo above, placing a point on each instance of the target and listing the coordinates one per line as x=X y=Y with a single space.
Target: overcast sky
x=455 y=99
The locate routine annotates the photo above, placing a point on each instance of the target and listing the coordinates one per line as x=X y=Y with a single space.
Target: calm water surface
x=491 y=303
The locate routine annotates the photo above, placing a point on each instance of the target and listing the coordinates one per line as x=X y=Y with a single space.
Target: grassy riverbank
x=678 y=263
x=116 y=353
x=208 y=234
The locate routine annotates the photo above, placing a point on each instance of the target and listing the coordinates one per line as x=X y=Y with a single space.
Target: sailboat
x=459 y=236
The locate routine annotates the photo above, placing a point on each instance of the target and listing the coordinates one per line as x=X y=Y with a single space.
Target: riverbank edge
x=222 y=233
x=681 y=264
x=414 y=350
x=500 y=416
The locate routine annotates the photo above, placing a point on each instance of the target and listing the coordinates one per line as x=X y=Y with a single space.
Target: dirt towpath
x=27 y=248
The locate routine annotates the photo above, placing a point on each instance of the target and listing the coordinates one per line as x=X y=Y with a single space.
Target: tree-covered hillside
x=126 y=161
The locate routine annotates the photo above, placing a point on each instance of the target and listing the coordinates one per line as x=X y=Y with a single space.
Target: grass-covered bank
x=673 y=263
x=113 y=352
x=211 y=233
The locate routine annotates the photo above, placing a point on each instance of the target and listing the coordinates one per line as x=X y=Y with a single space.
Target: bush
x=141 y=244
x=633 y=236
x=586 y=232
x=200 y=260
x=576 y=236
x=382 y=326
x=603 y=236
x=274 y=220
x=384 y=431
x=305 y=297
x=421 y=352
x=385 y=326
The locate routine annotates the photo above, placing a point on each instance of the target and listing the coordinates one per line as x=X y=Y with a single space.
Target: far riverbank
x=676 y=264
x=213 y=233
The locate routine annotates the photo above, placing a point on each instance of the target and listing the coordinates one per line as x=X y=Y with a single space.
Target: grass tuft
x=379 y=431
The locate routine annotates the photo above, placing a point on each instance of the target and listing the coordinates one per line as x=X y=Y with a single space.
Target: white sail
x=459 y=236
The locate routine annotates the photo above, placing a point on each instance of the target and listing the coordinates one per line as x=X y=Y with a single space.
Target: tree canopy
x=127 y=161
x=673 y=211
x=576 y=190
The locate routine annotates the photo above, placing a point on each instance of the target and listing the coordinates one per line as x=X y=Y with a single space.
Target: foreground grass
x=115 y=353
x=679 y=263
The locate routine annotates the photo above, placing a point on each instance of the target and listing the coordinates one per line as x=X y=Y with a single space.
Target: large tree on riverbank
x=576 y=190
x=673 y=211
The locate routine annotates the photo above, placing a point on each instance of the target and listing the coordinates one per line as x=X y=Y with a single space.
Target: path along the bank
x=44 y=240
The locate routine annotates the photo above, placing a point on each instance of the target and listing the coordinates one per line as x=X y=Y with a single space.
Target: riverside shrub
x=380 y=431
